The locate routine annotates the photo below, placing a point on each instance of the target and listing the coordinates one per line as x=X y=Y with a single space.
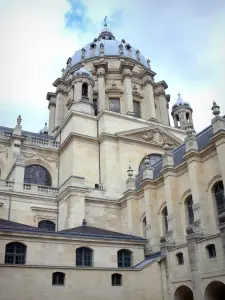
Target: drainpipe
x=9 y=212
x=57 y=223
x=99 y=154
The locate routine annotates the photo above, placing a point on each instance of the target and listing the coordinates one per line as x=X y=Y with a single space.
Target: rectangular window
x=114 y=104
x=137 y=108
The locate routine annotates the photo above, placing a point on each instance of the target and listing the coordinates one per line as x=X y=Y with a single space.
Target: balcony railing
x=29 y=188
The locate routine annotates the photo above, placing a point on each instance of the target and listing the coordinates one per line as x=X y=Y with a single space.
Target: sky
x=184 y=39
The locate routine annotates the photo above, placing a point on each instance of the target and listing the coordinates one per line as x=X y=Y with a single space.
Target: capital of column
x=159 y=93
x=101 y=72
x=61 y=90
x=127 y=73
x=51 y=103
x=147 y=80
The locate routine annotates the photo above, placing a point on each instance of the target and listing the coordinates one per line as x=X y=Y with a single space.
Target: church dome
x=112 y=47
x=181 y=102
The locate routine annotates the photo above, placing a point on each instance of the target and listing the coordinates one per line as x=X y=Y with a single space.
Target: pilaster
x=61 y=93
x=51 y=97
x=147 y=82
x=159 y=92
x=101 y=69
x=126 y=71
x=193 y=160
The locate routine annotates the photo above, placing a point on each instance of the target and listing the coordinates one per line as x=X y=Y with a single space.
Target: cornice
x=101 y=64
x=147 y=72
x=59 y=81
x=161 y=84
x=219 y=137
x=77 y=136
x=50 y=95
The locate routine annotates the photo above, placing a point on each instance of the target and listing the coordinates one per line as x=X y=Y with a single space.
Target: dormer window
x=92 y=46
x=128 y=47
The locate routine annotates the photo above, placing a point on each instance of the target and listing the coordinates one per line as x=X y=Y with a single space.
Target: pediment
x=152 y=135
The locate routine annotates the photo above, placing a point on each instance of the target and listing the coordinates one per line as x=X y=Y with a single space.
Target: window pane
x=114 y=104
x=137 y=109
x=35 y=174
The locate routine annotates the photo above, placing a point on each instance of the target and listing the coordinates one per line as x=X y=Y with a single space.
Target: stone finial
x=130 y=172
x=69 y=61
x=215 y=109
x=148 y=62
x=19 y=120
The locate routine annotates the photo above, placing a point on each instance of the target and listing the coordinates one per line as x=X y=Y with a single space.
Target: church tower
x=182 y=114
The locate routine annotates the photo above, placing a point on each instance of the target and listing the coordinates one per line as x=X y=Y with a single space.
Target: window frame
x=124 y=258
x=84 y=257
x=218 y=191
x=180 y=258
x=110 y=99
x=14 y=254
x=189 y=210
x=48 y=228
x=116 y=279
x=56 y=277
x=165 y=219
x=31 y=175
x=138 y=111
x=84 y=86
x=211 y=251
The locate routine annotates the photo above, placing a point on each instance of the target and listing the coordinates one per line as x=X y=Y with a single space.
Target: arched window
x=189 y=210
x=124 y=258
x=153 y=158
x=218 y=191
x=46 y=224
x=83 y=257
x=180 y=258
x=15 y=253
x=211 y=250
x=164 y=219
x=58 y=278
x=36 y=174
x=84 y=89
x=116 y=279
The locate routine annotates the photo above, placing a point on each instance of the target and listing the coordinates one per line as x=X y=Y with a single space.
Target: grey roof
x=80 y=231
x=28 y=133
x=148 y=260
x=111 y=48
x=203 y=140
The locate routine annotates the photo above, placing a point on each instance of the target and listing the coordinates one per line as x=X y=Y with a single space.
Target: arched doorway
x=183 y=293
x=215 y=291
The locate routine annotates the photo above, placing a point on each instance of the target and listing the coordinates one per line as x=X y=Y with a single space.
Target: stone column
x=101 y=70
x=101 y=89
x=51 y=122
x=77 y=90
x=163 y=108
x=60 y=100
x=128 y=98
x=149 y=98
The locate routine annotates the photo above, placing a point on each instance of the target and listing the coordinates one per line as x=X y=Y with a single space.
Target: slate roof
x=203 y=140
x=28 y=133
x=81 y=231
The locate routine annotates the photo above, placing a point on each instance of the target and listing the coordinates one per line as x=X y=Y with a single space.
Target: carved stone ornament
x=3 y=149
x=155 y=136
x=159 y=93
x=19 y=120
x=147 y=80
x=60 y=90
x=101 y=72
x=195 y=228
x=127 y=73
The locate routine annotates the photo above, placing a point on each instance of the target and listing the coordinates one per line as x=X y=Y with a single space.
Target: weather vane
x=105 y=24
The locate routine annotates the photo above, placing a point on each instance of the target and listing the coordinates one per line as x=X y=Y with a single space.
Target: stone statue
x=19 y=120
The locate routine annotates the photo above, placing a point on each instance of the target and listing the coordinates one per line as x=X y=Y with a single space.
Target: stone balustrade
x=29 y=188
x=32 y=140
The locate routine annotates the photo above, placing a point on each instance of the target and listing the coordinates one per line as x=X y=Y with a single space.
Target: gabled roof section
x=98 y=232
x=81 y=231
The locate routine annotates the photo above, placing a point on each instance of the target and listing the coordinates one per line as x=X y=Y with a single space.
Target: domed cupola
x=106 y=33
x=182 y=113
x=82 y=84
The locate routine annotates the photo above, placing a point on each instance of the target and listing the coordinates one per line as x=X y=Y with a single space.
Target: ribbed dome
x=111 y=48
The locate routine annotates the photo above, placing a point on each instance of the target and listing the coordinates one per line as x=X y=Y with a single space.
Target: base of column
x=130 y=113
x=153 y=120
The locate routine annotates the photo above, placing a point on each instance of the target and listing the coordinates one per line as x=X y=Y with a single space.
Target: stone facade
x=111 y=159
